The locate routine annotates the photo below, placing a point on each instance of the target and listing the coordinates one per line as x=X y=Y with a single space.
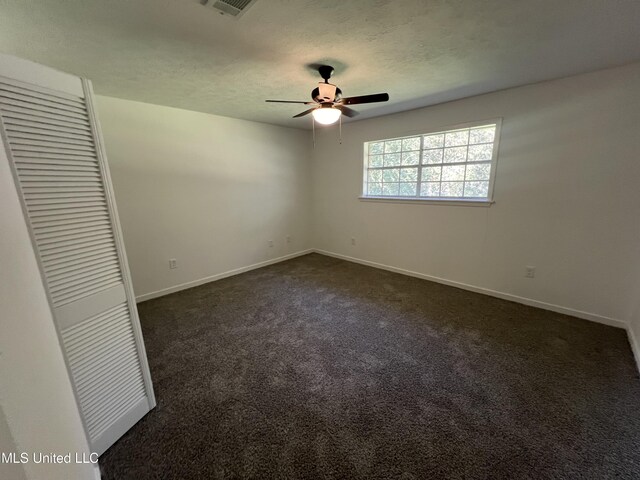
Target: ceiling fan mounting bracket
x=325 y=72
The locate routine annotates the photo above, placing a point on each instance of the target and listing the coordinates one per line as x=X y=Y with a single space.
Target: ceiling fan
x=328 y=102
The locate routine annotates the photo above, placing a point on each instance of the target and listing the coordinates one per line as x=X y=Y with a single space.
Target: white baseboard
x=505 y=296
x=635 y=346
x=219 y=276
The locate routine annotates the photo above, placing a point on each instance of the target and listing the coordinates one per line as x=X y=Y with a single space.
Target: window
x=455 y=165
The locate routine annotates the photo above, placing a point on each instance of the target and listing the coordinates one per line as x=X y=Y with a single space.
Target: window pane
x=482 y=135
x=409 y=175
x=374 y=189
x=451 y=189
x=408 y=189
x=454 y=164
x=392 y=160
x=476 y=189
x=432 y=156
x=452 y=139
x=478 y=153
x=411 y=144
x=376 y=148
x=455 y=154
x=375 y=161
x=454 y=172
x=478 y=172
x=375 y=176
x=434 y=141
x=431 y=189
x=410 y=158
x=390 y=189
x=391 y=175
x=431 y=174
x=392 y=146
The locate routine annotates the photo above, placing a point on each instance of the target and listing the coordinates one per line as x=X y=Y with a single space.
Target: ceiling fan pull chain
x=313 y=128
x=340 y=131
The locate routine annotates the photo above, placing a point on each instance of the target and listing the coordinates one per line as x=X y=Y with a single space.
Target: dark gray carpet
x=316 y=368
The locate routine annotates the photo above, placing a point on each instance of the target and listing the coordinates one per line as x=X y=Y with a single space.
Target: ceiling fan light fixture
x=326 y=114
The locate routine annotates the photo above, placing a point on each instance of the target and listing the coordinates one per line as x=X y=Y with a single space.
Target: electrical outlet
x=288 y=238
x=353 y=241
x=173 y=263
x=530 y=272
x=271 y=243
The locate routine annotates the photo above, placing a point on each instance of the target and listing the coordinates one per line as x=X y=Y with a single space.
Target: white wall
x=35 y=391
x=206 y=190
x=11 y=471
x=634 y=320
x=567 y=196
x=634 y=336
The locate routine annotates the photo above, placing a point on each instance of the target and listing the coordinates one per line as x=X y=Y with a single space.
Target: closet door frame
x=22 y=71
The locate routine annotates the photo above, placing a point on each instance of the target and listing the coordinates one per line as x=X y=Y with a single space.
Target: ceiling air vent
x=235 y=8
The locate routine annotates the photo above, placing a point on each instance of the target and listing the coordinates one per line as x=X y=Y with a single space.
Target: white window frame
x=459 y=201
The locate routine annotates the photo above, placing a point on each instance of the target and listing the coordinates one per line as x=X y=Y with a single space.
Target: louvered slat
x=75 y=204
x=91 y=361
x=52 y=156
x=86 y=291
x=40 y=109
x=60 y=189
x=117 y=408
x=45 y=230
x=77 y=232
x=56 y=193
x=70 y=211
x=48 y=121
x=57 y=277
x=99 y=356
x=78 y=268
x=93 y=398
x=54 y=259
x=42 y=100
x=60 y=199
x=92 y=389
x=94 y=405
x=98 y=255
x=68 y=288
x=18 y=139
x=26 y=149
x=41 y=92
x=56 y=167
x=17 y=128
x=52 y=254
x=79 y=331
x=68 y=220
x=104 y=364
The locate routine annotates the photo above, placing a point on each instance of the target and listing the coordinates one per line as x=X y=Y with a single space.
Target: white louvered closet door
x=50 y=132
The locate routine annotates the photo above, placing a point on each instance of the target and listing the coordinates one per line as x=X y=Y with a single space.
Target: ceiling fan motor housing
x=325 y=92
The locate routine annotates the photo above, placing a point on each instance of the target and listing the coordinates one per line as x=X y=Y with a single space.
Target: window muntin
x=456 y=164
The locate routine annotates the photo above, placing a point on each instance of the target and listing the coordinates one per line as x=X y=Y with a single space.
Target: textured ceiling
x=182 y=54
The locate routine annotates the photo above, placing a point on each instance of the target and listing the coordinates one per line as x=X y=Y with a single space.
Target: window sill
x=429 y=201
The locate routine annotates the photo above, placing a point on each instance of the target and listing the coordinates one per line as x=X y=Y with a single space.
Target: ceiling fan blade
x=306 y=112
x=289 y=101
x=376 y=97
x=349 y=112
